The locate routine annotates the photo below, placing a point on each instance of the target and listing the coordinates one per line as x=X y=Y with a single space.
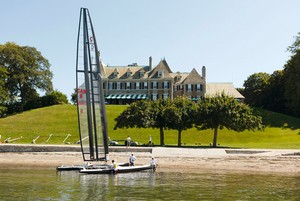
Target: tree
x=292 y=84
x=136 y=115
x=255 y=87
x=241 y=90
x=279 y=92
x=74 y=97
x=27 y=71
x=295 y=47
x=158 y=120
x=291 y=79
x=179 y=115
x=224 y=111
x=3 y=92
x=274 y=93
x=54 y=98
x=144 y=114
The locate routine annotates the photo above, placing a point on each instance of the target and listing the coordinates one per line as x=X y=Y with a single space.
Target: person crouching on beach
x=114 y=166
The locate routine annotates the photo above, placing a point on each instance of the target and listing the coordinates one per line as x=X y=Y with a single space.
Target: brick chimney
x=150 y=63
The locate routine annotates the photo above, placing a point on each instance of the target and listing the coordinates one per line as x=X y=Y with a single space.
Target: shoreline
x=185 y=160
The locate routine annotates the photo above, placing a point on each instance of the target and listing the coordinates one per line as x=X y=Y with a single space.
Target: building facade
x=126 y=84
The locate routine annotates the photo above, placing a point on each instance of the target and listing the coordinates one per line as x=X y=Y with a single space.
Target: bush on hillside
x=54 y=98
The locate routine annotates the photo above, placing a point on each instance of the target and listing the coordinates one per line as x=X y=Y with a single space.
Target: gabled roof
x=162 y=66
x=213 y=89
x=122 y=70
x=102 y=69
x=193 y=77
x=179 y=74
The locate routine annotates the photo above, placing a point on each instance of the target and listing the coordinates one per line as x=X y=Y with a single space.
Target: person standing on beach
x=128 y=140
x=132 y=159
x=114 y=167
x=153 y=163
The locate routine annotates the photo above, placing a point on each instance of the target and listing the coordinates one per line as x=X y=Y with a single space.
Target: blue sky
x=232 y=38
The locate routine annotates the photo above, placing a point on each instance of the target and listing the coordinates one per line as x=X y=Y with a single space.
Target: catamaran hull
x=118 y=170
x=80 y=167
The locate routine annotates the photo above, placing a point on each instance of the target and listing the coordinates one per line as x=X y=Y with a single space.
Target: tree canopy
x=158 y=120
x=3 y=91
x=181 y=114
x=292 y=84
x=23 y=71
x=295 y=47
x=223 y=111
x=136 y=115
x=255 y=86
x=144 y=114
x=280 y=91
x=54 y=98
x=27 y=71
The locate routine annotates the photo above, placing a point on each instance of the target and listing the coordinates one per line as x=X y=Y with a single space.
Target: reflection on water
x=51 y=185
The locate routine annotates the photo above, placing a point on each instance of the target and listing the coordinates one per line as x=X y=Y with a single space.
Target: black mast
x=90 y=94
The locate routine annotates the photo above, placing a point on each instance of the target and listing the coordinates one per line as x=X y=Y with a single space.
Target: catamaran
x=91 y=111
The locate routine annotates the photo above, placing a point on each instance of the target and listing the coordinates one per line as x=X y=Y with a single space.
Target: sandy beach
x=173 y=159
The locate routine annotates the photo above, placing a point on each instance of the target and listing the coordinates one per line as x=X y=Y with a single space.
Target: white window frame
x=189 y=87
x=127 y=85
x=154 y=84
x=198 y=87
x=110 y=85
x=166 y=85
x=154 y=97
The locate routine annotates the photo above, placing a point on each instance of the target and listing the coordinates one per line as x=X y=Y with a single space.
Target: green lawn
x=281 y=131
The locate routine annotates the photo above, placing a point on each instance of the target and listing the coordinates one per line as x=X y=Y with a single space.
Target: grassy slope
x=281 y=131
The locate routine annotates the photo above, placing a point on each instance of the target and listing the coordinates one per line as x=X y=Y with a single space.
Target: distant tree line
x=181 y=114
x=280 y=91
x=24 y=71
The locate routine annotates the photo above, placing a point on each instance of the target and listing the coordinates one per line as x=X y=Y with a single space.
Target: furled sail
x=90 y=97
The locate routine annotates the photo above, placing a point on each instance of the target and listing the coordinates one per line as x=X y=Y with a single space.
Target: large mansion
x=125 y=84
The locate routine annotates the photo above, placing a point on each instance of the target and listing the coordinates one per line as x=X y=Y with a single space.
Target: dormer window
x=160 y=73
x=142 y=74
x=178 y=78
x=128 y=74
x=115 y=73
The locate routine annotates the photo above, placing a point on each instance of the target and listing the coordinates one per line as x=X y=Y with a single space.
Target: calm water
x=50 y=185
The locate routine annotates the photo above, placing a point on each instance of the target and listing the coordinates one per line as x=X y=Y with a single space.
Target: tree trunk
x=215 y=137
x=162 y=137
x=179 y=138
